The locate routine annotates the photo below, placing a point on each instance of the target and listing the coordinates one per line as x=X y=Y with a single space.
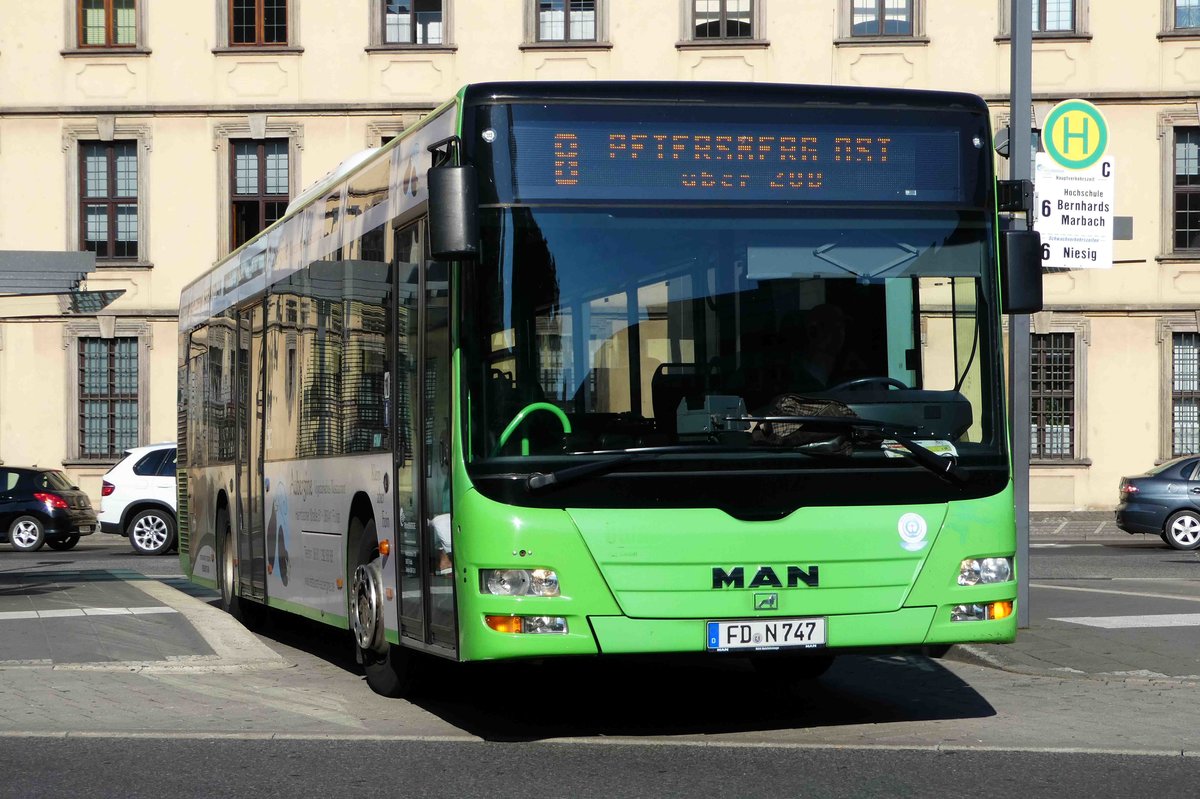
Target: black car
x=1164 y=501
x=42 y=506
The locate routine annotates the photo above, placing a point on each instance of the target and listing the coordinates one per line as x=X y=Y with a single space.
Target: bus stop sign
x=1073 y=189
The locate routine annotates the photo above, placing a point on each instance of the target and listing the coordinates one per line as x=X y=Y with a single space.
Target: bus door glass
x=436 y=392
x=408 y=333
x=250 y=536
x=423 y=450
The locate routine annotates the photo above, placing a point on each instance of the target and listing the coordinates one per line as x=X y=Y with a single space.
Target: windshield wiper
x=902 y=434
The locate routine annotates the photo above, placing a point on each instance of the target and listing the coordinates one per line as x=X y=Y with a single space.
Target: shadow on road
x=695 y=695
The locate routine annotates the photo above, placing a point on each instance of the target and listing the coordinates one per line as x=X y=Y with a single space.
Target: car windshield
x=593 y=331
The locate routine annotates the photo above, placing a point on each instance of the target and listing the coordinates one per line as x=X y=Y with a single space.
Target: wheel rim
x=1186 y=530
x=150 y=532
x=367 y=597
x=227 y=569
x=25 y=534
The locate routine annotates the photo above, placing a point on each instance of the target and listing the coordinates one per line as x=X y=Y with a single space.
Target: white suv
x=138 y=499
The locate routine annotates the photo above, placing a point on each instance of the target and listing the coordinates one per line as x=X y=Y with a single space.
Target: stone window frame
x=1058 y=322
x=376 y=130
x=688 y=40
x=532 y=42
x=846 y=23
x=106 y=129
x=375 y=31
x=71 y=46
x=256 y=127
x=1169 y=31
x=1165 y=328
x=104 y=327
x=1168 y=121
x=1082 y=23
x=224 y=47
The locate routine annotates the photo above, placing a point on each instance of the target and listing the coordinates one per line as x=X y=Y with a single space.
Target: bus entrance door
x=427 y=606
x=252 y=578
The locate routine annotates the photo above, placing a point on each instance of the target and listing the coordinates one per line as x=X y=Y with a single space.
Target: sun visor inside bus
x=935 y=414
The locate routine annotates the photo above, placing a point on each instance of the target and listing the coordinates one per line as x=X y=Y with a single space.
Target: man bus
x=527 y=382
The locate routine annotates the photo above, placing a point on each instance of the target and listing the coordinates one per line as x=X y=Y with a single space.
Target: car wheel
x=27 y=534
x=63 y=544
x=151 y=532
x=1182 y=530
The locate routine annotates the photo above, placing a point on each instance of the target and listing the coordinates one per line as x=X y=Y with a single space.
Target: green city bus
x=620 y=367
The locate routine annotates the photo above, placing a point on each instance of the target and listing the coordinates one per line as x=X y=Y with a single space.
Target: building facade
x=161 y=135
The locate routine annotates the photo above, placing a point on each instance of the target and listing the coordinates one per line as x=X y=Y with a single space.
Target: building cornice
x=193 y=110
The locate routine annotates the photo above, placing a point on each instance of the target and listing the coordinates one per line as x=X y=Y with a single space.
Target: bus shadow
x=534 y=701
x=522 y=701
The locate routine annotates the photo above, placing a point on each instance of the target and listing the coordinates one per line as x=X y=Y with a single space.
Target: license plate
x=85 y=529
x=766 y=634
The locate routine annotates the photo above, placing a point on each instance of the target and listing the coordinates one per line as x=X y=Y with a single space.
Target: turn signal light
x=530 y=625
x=990 y=611
x=385 y=547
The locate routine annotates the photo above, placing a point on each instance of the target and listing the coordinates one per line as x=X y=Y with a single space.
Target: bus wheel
x=791 y=669
x=389 y=668
x=225 y=571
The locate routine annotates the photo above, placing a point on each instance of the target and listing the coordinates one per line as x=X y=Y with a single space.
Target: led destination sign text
x=790 y=153
x=668 y=161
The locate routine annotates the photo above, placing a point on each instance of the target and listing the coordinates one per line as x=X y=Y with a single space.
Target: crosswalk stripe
x=1128 y=622
x=63 y=613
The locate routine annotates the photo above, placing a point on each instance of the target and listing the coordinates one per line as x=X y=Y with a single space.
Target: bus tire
x=389 y=668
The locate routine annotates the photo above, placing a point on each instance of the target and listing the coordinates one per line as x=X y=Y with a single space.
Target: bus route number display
x=820 y=163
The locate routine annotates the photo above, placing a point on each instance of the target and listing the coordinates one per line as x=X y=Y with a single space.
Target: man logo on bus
x=764 y=577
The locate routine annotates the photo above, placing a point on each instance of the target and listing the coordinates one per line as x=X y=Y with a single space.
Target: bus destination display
x=797 y=163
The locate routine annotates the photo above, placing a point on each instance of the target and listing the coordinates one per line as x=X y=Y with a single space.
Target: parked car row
x=42 y=507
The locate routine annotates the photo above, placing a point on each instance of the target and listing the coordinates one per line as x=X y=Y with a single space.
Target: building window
x=1187 y=14
x=1053 y=16
x=722 y=19
x=1185 y=393
x=1052 y=396
x=566 y=20
x=882 y=18
x=108 y=199
x=258 y=178
x=1187 y=189
x=258 y=22
x=108 y=396
x=107 y=23
x=412 y=21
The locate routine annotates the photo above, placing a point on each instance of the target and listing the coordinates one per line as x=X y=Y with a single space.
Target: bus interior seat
x=672 y=383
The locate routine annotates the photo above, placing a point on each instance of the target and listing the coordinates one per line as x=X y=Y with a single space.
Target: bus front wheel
x=388 y=667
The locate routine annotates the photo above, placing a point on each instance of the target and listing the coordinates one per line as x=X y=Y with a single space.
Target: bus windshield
x=698 y=332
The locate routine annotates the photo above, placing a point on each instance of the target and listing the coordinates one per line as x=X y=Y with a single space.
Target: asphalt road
x=306 y=723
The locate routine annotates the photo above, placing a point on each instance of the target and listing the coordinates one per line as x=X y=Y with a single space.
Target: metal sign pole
x=1020 y=146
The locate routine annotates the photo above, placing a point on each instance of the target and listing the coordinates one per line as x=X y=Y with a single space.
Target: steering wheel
x=862 y=382
x=520 y=417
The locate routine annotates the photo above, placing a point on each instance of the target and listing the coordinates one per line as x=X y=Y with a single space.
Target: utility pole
x=1020 y=128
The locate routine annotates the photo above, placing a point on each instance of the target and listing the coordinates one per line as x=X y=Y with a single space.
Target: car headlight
x=982 y=571
x=519 y=582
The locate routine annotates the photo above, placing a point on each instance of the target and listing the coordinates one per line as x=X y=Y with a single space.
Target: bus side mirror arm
x=1021 y=271
x=453 y=213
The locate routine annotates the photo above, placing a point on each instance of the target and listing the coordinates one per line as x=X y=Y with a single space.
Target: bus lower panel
x=905 y=627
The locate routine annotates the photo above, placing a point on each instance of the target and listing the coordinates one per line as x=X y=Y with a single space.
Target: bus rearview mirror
x=1021 y=271
x=453 y=213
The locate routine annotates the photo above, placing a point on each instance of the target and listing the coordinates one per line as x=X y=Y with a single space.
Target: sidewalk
x=1060 y=647
x=1087 y=525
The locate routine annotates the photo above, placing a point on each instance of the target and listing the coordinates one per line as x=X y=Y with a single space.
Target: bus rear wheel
x=389 y=668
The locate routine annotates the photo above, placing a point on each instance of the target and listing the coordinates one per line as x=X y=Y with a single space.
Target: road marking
x=64 y=613
x=1119 y=593
x=1127 y=622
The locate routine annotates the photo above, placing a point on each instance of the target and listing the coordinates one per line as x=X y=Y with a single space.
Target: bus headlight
x=519 y=582
x=982 y=571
